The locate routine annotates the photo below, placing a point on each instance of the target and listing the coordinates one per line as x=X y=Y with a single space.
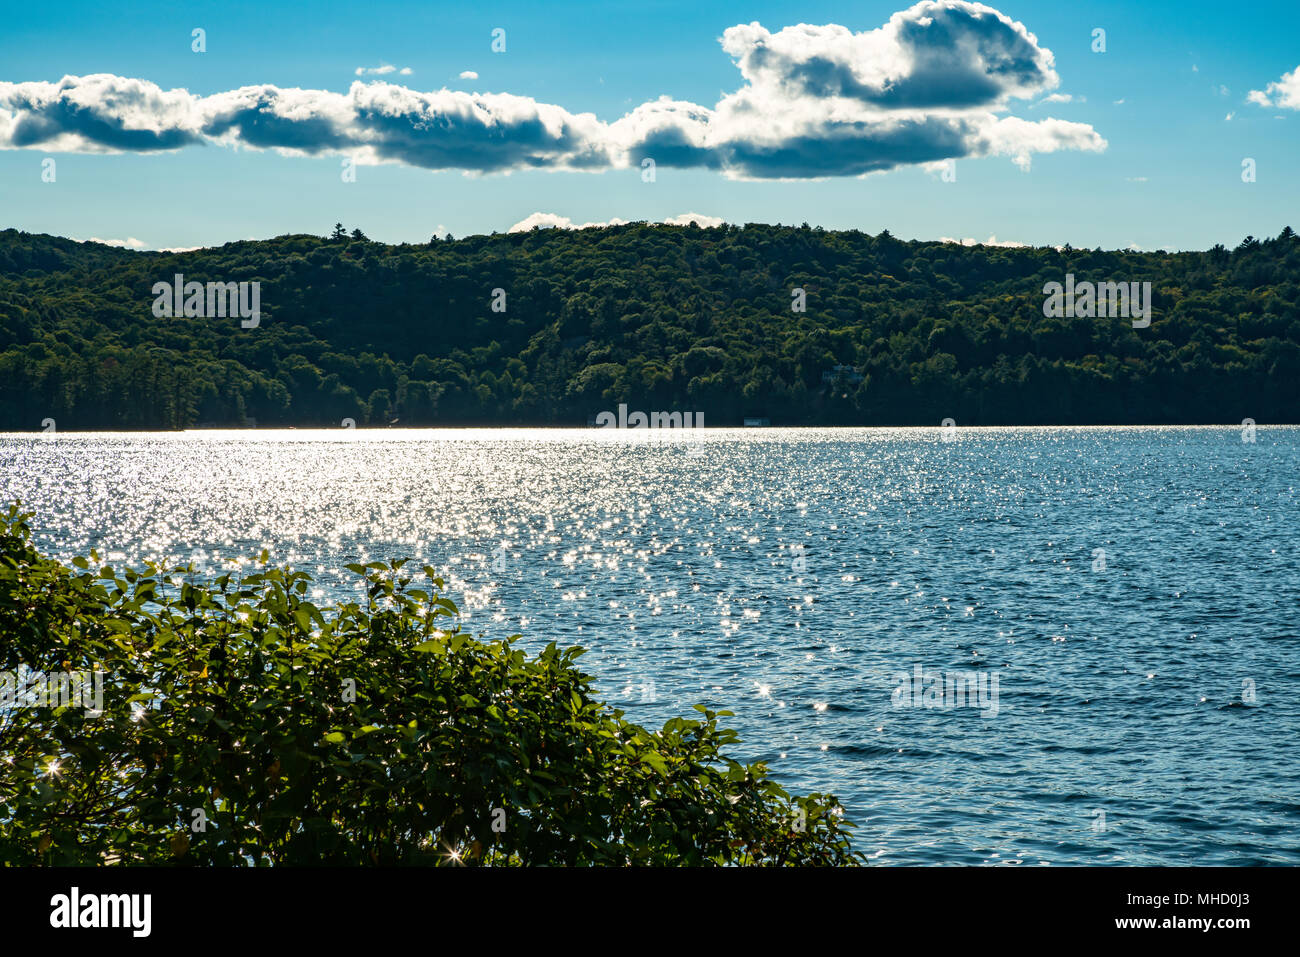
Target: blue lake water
x=1133 y=591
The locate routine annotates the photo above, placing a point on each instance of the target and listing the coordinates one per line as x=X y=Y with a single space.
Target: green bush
x=361 y=733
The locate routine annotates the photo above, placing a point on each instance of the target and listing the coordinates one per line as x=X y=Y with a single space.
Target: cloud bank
x=991 y=241
x=931 y=84
x=1283 y=93
x=554 y=221
x=129 y=243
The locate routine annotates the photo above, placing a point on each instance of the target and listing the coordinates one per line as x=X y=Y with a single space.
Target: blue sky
x=1160 y=98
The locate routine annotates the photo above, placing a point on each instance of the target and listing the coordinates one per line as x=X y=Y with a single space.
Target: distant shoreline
x=551 y=329
x=595 y=430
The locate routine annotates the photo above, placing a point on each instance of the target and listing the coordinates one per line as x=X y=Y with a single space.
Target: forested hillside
x=659 y=317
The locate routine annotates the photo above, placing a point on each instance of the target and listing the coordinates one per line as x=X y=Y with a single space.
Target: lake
x=995 y=646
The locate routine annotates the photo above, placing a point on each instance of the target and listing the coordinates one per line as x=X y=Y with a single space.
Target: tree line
x=798 y=325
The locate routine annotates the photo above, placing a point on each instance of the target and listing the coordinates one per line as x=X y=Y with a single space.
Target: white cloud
x=468 y=75
x=933 y=83
x=1284 y=93
x=946 y=54
x=133 y=243
x=382 y=70
x=547 y=221
x=1020 y=139
x=685 y=219
x=128 y=243
x=555 y=221
x=1059 y=98
x=381 y=122
x=100 y=113
x=991 y=241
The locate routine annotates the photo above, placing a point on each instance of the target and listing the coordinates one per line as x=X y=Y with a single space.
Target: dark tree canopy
x=661 y=317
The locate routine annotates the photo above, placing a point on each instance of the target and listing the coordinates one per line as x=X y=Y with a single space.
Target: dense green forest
x=551 y=327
